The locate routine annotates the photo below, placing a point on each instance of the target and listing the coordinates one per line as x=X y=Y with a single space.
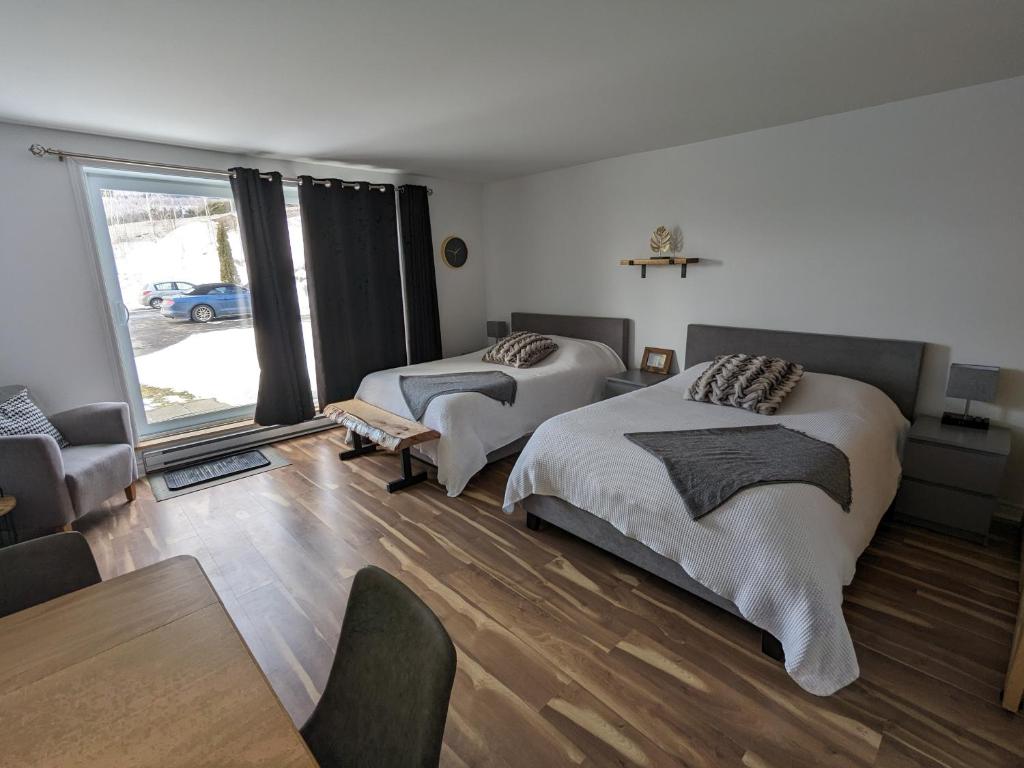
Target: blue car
x=208 y=301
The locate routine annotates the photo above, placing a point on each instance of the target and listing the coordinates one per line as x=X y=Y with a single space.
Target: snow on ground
x=219 y=365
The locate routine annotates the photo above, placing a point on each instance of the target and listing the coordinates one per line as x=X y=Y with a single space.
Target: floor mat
x=175 y=482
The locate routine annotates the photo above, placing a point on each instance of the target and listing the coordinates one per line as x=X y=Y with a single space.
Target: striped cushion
x=520 y=350
x=20 y=416
x=757 y=384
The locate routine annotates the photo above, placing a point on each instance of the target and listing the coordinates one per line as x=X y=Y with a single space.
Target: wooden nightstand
x=627 y=381
x=951 y=477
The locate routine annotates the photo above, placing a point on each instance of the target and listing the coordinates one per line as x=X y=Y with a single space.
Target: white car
x=153 y=294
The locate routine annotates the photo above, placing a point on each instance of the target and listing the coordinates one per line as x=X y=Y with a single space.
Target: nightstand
x=951 y=477
x=627 y=381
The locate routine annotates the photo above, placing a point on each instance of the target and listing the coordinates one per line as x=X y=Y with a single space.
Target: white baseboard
x=203 y=448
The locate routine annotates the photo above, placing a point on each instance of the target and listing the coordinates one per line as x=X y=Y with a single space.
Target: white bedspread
x=780 y=553
x=472 y=425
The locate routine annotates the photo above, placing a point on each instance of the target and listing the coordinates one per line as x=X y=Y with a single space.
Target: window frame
x=94 y=177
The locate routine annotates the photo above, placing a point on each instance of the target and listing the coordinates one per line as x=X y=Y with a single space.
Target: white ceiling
x=481 y=89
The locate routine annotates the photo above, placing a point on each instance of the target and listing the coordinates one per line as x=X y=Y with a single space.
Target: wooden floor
x=568 y=656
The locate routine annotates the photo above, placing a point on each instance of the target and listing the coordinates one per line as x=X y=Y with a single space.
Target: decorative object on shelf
x=497 y=329
x=680 y=261
x=454 y=251
x=661 y=243
x=970 y=382
x=656 y=360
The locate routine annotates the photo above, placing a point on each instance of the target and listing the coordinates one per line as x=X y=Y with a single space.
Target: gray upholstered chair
x=55 y=486
x=386 y=699
x=36 y=571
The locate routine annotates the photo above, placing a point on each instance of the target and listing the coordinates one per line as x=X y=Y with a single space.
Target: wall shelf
x=675 y=261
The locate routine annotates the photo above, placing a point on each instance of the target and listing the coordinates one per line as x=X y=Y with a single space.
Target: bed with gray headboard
x=477 y=427
x=611 y=331
x=889 y=365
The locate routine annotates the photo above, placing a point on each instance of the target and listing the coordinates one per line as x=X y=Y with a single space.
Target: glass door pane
x=175 y=279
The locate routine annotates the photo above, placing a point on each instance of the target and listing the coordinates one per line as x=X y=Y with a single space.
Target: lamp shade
x=972 y=382
x=497 y=329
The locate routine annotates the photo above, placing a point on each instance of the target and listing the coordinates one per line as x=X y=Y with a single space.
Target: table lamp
x=497 y=329
x=970 y=382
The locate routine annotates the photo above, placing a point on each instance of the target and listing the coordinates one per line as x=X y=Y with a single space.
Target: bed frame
x=892 y=366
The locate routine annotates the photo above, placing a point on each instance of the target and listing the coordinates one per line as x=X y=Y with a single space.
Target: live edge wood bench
x=371 y=427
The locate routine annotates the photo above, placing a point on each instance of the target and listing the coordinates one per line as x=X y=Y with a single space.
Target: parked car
x=208 y=301
x=153 y=294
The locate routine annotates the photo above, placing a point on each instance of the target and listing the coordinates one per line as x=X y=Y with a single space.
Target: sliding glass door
x=174 y=279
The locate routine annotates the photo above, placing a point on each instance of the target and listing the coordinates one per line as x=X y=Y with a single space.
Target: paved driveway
x=151 y=332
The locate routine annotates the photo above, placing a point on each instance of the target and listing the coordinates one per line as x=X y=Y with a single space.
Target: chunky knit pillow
x=758 y=384
x=20 y=416
x=520 y=350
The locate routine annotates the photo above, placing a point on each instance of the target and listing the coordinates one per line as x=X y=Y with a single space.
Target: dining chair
x=386 y=698
x=35 y=571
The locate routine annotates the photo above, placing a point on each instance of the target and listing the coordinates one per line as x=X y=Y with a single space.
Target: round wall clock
x=454 y=251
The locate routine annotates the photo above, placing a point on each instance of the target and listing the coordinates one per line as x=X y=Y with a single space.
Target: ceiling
x=481 y=89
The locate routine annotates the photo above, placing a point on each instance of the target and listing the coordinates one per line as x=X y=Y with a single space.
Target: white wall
x=53 y=331
x=901 y=221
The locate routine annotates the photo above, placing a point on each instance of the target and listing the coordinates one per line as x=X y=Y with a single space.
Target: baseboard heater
x=202 y=449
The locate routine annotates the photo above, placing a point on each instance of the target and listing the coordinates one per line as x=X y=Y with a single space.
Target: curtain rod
x=40 y=151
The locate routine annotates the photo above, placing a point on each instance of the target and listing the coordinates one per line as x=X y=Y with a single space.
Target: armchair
x=57 y=485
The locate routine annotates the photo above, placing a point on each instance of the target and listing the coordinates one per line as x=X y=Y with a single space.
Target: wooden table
x=144 y=669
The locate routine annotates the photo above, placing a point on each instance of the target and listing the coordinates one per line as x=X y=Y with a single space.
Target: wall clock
x=454 y=251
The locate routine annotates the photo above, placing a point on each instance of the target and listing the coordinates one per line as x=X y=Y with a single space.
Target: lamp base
x=964 y=420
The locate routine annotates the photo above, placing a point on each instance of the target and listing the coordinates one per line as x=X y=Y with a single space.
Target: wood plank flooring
x=569 y=656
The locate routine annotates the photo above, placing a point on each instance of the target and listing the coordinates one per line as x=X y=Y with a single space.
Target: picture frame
x=656 y=360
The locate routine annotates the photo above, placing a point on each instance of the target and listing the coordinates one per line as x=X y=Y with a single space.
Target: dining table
x=145 y=669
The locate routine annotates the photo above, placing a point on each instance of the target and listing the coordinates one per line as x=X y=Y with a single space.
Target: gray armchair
x=55 y=486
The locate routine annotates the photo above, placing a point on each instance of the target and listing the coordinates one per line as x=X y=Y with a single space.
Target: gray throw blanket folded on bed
x=418 y=391
x=709 y=466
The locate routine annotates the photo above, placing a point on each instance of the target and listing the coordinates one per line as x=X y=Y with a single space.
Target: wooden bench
x=381 y=428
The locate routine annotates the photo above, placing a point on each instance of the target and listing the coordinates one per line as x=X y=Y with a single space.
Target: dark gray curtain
x=355 y=282
x=285 y=396
x=420 y=280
